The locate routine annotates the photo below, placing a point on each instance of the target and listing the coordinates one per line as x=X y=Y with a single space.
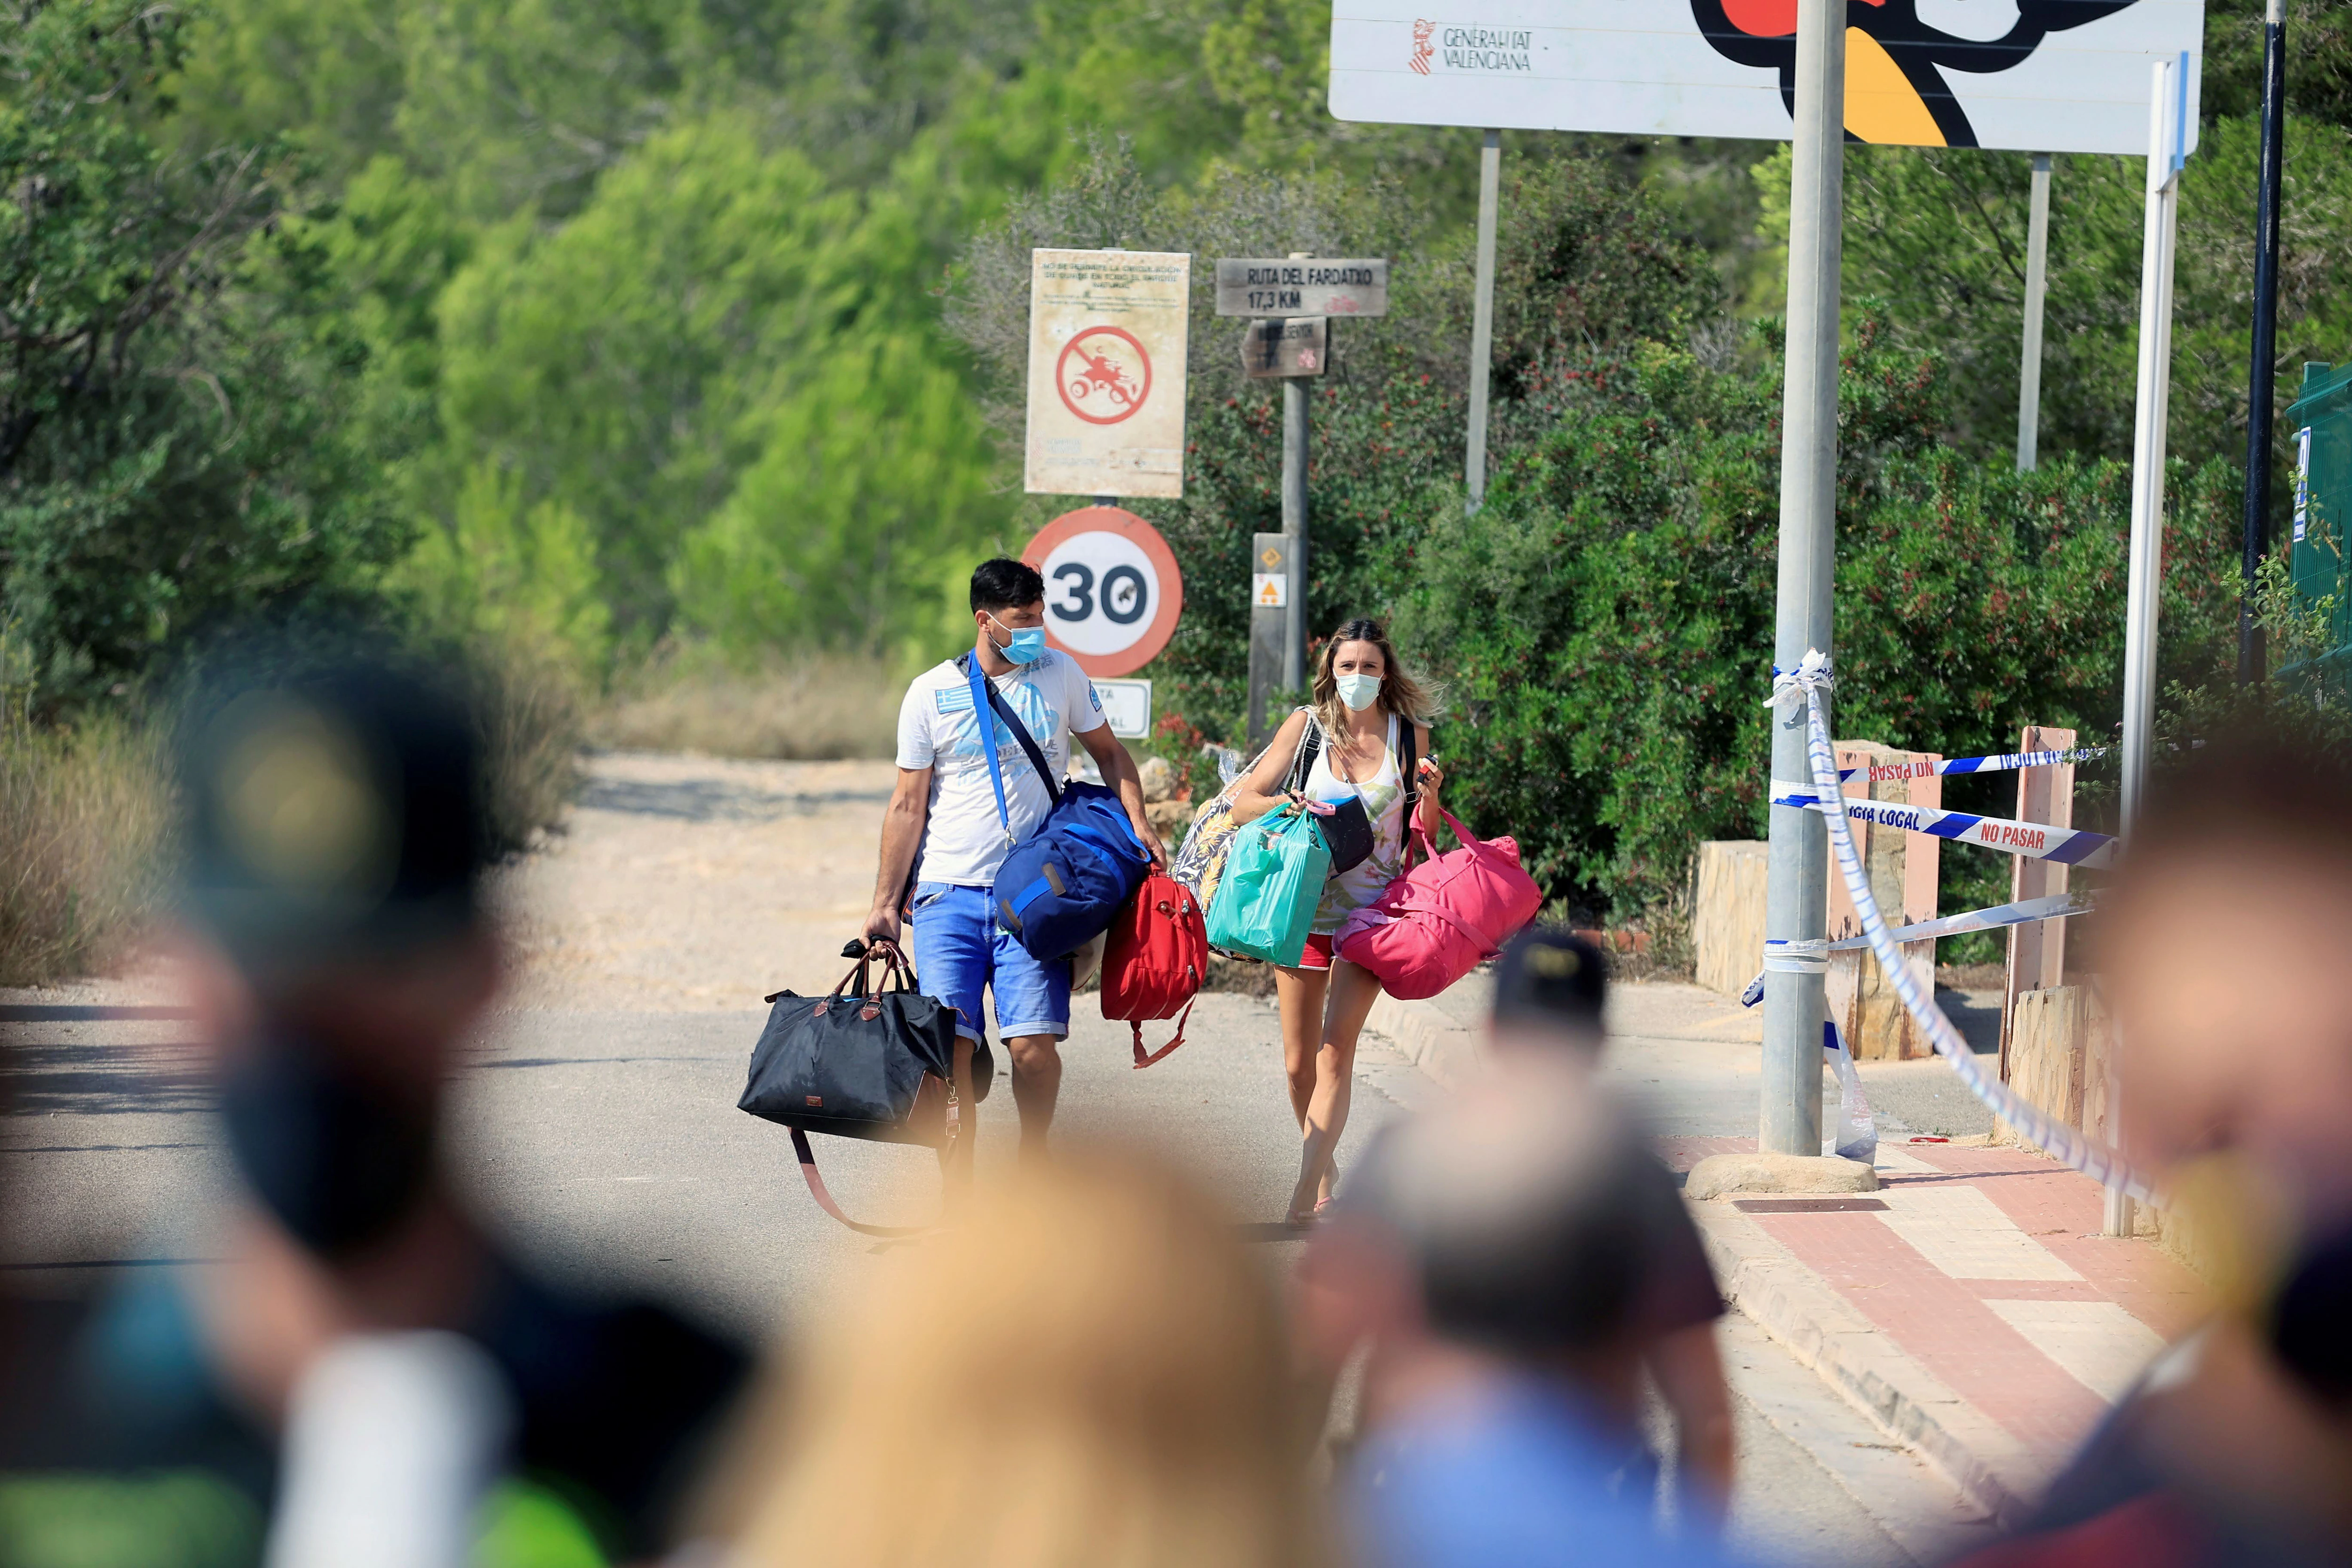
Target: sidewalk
x=1969 y=1307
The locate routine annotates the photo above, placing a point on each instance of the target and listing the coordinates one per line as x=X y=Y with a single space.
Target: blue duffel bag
x=1060 y=887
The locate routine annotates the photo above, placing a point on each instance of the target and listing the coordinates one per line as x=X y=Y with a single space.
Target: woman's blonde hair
x=1411 y=699
x=1090 y=1371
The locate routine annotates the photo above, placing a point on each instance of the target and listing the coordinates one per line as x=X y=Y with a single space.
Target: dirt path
x=687 y=884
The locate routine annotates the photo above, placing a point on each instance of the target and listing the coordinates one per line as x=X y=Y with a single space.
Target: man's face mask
x=334 y=1159
x=1027 y=644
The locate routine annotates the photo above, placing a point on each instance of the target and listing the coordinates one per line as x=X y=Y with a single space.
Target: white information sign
x=2032 y=76
x=1269 y=590
x=1106 y=372
x=1128 y=705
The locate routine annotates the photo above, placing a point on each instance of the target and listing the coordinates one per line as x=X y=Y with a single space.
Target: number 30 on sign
x=1113 y=591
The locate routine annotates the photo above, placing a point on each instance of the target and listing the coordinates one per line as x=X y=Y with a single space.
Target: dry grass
x=812 y=709
x=83 y=817
x=531 y=715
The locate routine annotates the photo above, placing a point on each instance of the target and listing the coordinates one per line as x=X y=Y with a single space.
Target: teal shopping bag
x=1274 y=879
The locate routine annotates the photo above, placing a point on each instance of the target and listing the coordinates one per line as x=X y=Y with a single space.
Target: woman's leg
x=1300 y=993
x=1353 y=991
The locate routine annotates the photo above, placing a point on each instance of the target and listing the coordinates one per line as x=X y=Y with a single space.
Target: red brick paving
x=1943 y=1323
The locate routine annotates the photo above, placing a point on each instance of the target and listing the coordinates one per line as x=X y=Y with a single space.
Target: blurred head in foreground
x=2222 y=947
x=1496 y=1251
x=2224 y=942
x=336 y=946
x=1508 y=1226
x=1089 y=1373
x=1549 y=989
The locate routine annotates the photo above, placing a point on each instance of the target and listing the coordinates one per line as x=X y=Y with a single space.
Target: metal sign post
x=2037 y=282
x=1796 y=890
x=1482 y=317
x=1290 y=302
x=2167 y=150
x=2262 y=375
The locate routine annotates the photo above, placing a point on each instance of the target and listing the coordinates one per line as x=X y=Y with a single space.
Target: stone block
x=1731 y=1175
x=1161 y=780
x=1728 y=913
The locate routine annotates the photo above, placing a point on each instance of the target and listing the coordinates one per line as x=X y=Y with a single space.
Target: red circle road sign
x=1113 y=590
x=1112 y=375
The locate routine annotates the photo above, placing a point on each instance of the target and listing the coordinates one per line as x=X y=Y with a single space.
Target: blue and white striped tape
x=1997 y=763
x=2045 y=1132
x=1792 y=956
x=2035 y=841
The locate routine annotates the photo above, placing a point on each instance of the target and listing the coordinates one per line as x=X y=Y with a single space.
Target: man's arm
x=902 y=833
x=1119 y=769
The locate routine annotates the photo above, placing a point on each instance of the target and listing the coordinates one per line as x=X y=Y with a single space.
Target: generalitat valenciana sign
x=1107 y=373
x=2032 y=76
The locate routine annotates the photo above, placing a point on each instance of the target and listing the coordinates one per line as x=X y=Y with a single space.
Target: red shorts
x=1317 y=954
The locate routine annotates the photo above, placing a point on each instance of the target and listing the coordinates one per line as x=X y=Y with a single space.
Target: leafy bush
x=1606 y=619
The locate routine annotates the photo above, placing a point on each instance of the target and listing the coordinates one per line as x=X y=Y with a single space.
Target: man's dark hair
x=1002 y=585
x=1527 y=1214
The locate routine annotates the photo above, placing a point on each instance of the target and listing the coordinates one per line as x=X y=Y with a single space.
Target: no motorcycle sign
x=1107 y=341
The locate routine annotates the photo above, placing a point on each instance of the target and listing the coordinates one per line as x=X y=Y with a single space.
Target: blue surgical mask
x=1028 y=644
x=1359 y=691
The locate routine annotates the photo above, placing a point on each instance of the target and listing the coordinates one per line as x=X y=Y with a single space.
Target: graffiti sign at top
x=2040 y=76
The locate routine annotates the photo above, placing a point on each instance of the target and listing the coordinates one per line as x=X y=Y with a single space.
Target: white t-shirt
x=963 y=841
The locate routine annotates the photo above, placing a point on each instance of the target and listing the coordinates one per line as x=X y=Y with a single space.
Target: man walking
x=947 y=832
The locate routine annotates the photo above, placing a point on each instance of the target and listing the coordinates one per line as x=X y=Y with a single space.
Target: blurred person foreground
x=1499 y=1252
x=1090 y=1371
x=361 y=1375
x=2222 y=943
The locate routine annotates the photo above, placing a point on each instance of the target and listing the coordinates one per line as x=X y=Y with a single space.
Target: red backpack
x=1155 y=959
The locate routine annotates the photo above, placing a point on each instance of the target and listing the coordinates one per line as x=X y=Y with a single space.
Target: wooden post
x=1902 y=867
x=2037 y=952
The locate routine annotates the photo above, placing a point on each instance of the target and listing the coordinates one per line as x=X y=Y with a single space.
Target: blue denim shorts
x=958 y=949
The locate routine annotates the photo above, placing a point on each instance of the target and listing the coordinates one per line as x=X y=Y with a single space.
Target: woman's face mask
x=1027 y=643
x=1358 y=691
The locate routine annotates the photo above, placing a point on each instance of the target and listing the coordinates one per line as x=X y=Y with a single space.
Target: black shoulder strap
x=1408 y=759
x=1310 y=746
x=1020 y=731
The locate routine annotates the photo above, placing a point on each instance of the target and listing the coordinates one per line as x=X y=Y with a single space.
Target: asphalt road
x=603 y=1140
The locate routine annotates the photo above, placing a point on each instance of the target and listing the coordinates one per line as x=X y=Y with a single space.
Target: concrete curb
x=1789 y=1302
x=1428 y=1037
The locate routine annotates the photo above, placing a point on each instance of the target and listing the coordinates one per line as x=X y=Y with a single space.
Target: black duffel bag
x=862 y=1063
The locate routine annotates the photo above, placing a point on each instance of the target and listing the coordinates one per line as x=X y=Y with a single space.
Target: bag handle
x=987 y=703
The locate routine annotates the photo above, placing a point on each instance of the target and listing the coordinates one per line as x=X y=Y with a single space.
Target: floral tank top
x=1383 y=797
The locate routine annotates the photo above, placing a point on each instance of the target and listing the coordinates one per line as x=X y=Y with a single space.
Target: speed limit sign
x=1112 y=588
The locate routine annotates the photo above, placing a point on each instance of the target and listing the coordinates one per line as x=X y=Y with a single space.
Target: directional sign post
x=1289 y=302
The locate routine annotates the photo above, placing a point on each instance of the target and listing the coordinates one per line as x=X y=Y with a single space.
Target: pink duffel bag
x=1434 y=923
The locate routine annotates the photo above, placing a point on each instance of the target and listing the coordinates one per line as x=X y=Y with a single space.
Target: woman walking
x=1369 y=715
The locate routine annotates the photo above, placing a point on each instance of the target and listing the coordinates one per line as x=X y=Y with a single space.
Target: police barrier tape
x=1792 y=956
x=2046 y=1134
x=2034 y=840
x=1997 y=763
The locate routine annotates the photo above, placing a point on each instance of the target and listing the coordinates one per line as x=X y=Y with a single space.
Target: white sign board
x=2031 y=76
x=1269 y=590
x=1126 y=704
x=1107 y=373
x=1113 y=590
